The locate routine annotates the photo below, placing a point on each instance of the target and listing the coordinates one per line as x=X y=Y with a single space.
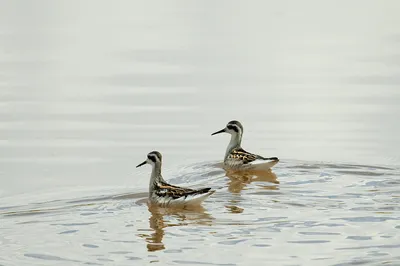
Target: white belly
x=256 y=165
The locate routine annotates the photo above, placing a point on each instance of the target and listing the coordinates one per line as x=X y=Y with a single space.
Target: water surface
x=88 y=89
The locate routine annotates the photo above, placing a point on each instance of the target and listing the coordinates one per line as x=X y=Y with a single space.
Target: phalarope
x=164 y=194
x=236 y=157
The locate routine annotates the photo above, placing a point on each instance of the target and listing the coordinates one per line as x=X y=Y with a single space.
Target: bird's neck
x=156 y=176
x=236 y=140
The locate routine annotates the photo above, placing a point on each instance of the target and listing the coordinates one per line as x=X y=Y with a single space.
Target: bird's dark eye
x=234 y=128
x=151 y=157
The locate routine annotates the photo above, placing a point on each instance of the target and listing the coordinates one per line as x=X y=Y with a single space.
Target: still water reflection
x=88 y=89
x=161 y=218
x=239 y=180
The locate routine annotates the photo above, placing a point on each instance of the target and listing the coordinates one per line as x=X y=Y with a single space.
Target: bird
x=236 y=157
x=165 y=195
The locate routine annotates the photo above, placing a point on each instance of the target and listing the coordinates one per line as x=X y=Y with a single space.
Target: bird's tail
x=275 y=159
x=199 y=196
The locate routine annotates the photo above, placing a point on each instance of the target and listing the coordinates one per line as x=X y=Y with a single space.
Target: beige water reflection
x=163 y=218
x=240 y=179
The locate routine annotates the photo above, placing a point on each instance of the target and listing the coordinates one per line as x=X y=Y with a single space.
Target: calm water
x=88 y=89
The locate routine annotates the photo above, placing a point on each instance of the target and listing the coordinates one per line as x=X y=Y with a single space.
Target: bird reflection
x=161 y=218
x=233 y=208
x=240 y=179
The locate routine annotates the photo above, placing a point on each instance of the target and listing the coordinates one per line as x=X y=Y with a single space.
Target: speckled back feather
x=164 y=189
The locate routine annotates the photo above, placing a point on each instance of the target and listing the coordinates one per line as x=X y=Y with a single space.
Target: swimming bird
x=163 y=194
x=239 y=159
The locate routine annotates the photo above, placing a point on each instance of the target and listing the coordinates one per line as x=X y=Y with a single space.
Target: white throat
x=235 y=142
x=155 y=175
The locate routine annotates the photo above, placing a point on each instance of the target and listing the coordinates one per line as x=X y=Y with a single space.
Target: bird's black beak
x=221 y=131
x=141 y=164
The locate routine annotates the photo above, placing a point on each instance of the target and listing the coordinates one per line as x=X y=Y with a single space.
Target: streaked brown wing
x=242 y=155
x=167 y=190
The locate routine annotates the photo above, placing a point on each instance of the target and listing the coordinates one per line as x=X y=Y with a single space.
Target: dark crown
x=236 y=123
x=156 y=154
